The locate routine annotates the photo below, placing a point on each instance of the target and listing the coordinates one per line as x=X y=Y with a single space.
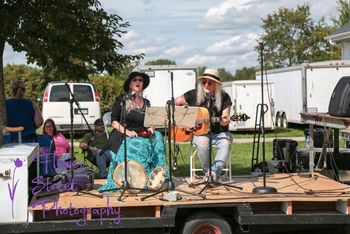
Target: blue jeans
x=222 y=141
x=102 y=159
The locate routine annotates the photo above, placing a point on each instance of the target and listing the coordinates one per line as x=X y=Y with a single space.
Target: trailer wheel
x=278 y=120
x=206 y=223
x=284 y=122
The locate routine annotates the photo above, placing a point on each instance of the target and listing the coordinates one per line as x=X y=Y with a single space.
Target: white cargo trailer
x=159 y=89
x=245 y=96
x=304 y=88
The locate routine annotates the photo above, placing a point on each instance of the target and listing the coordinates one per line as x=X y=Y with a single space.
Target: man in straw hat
x=209 y=90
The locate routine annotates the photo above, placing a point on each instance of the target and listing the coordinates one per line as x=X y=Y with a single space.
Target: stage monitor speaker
x=339 y=105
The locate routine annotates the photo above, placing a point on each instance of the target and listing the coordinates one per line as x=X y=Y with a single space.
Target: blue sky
x=211 y=33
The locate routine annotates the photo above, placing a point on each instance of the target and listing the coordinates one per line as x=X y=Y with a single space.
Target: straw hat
x=132 y=75
x=211 y=74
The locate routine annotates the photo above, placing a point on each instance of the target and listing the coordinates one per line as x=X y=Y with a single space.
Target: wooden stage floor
x=295 y=194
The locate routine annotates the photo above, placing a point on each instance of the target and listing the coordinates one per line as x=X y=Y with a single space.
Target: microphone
x=129 y=95
x=132 y=94
x=209 y=96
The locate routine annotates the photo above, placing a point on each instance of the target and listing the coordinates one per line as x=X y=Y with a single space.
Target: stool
x=193 y=169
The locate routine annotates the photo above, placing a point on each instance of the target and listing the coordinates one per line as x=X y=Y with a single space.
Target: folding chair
x=45 y=163
x=193 y=169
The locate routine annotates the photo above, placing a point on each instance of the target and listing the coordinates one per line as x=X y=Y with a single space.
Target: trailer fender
x=206 y=222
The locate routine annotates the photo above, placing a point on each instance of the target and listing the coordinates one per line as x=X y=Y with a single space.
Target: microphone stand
x=210 y=178
x=125 y=183
x=71 y=101
x=171 y=125
x=263 y=189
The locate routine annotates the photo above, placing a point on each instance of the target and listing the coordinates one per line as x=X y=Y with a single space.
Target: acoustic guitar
x=202 y=125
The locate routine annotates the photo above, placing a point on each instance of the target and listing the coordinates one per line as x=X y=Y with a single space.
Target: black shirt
x=191 y=97
x=134 y=118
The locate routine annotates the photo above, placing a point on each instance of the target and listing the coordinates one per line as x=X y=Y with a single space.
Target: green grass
x=296 y=131
x=241 y=158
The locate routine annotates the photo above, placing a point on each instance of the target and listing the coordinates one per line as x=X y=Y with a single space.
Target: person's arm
x=38 y=118
x=180 y=101
x=120 y=128
x=84 y=142
x=225 y=116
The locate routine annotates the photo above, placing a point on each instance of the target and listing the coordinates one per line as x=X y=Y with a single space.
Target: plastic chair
x=193 y=169
x=107 y=121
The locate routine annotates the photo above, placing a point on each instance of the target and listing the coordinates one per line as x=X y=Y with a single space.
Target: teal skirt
x=149 y=152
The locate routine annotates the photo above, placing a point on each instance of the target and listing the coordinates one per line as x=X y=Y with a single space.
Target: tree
x=67 y=38
x=291 y=38
x=344 y=16
x=246 y=73
x=224 y=75
x=160 y=62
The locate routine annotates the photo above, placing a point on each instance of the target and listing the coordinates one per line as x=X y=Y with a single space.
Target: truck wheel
x=278 y=121
x=206 y=223
x=284 y=122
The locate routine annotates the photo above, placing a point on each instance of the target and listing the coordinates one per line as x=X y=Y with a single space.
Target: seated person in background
x=22 y=112
x=62 y=146
x=95 y=144
x=144 y=145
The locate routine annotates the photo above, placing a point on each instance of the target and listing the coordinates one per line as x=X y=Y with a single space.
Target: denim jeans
x=102 y=159
x=222 y=141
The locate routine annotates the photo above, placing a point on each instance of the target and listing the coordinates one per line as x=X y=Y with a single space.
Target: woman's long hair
x=201 y=95
x=53 y=125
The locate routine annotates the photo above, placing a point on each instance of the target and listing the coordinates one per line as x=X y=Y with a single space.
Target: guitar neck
x=206 y=120
x=218 y=119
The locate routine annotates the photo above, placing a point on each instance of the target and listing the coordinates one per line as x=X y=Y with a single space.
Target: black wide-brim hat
x=132 y=75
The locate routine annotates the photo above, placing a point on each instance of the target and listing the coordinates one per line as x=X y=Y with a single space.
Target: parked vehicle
x=304 y=88
x=56 y=105
x=159 y=89
x=245 y=96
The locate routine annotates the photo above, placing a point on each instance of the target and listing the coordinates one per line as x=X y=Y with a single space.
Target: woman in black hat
x=144 y=145
x=129 y=110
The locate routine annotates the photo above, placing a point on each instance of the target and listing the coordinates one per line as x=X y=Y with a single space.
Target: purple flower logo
x=18 y=162
x=12 y=189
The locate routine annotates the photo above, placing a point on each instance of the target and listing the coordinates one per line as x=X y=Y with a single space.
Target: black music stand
x=170 y=114
x=210 y=181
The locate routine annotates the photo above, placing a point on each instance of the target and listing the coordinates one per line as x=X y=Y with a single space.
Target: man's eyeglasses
x=137 y=79
x=100 y=124
x=209 y=82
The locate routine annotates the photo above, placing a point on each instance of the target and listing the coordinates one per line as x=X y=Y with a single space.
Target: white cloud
x=235 y=45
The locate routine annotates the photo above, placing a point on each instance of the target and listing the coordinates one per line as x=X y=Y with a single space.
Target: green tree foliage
x=32 y=77
x=344 y=13
x=246 y=73
x=109 y=87
x=67 y=38
x=291 y=38
x=224 y=75
x=160 y=62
